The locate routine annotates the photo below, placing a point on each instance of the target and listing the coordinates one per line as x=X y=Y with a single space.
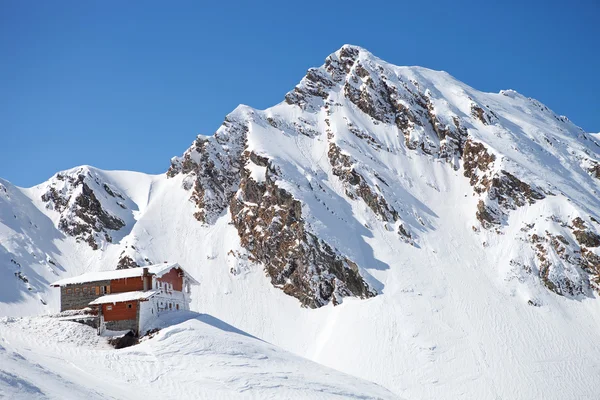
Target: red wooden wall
x=173 y=278
x=126 y=285
x=120 y=311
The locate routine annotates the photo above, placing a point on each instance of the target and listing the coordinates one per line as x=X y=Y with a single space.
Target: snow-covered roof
x=126 y=296
x=156 y=269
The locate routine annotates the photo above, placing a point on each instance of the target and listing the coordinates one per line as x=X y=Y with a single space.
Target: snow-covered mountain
x=390 y=222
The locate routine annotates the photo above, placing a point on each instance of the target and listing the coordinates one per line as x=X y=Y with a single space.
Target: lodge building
x=128 y=299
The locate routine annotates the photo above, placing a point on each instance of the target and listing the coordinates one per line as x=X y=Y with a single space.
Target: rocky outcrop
x=485 y=116
x=505 y=192
x=316 y=84
x=314 y=88
x=82 y=214
x=356 y=186
x=592 y=167
x=477 y=165
x=555 y=255
x=565 y=267
x=584 y=236
x=91 y=219
x=271 y=227
x=212 y=166
x=268 y=219
x=590 y=262
x=54 y=200
x=501 y=190
x=126 y=262
x=511 y=192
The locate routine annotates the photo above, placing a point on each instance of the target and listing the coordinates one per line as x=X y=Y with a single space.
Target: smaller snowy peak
x=85 y=204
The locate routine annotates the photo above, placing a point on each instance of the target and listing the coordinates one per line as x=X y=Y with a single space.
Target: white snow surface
x=195 y=357
x=453 y=318
x=125 y=296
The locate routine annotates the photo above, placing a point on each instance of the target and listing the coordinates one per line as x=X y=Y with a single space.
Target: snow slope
x=463 y=211
x=196 y=356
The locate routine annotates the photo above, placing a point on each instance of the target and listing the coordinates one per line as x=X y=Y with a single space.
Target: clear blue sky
x=128 y=84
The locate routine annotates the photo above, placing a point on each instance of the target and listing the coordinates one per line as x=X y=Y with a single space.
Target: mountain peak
x=334 y=130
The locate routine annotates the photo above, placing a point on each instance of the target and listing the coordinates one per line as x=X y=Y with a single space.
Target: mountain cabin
x=127 y=299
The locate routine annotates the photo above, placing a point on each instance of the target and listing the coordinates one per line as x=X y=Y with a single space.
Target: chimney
x=145 y=277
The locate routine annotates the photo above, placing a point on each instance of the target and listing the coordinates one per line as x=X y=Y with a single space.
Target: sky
x=128 y=85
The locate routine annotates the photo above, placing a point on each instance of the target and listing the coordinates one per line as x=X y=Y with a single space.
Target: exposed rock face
x=270 y=224
x=584 y=236
x=565 y=265
x=550 y=248
x=510 y=192
x=502 y=190
x=505 y=192
x=356 y=186
x=82 y=214
x=477 y=165
x=213 y=168
x=126 y=262
x=54 y=199
x=590 y=262
x=486 y=117
x=595 y=170
x=268 y=219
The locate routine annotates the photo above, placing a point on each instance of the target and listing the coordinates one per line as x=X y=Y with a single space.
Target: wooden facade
x=174 y=278
x=120 y=311
x=126 y=285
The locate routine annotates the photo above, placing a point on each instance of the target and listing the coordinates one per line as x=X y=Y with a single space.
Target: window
x=76 y=290
x=69 y=291
x=129 y=305
x=85 y=290
x=105 y=289
x=109 y=308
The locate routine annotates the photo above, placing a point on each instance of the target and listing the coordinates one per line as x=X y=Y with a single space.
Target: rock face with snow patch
x=82 y=213
x=271 y=227
x=212 y=166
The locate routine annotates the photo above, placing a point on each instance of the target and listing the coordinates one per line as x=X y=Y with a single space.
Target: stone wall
x=77 y=301
x=122 y=325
